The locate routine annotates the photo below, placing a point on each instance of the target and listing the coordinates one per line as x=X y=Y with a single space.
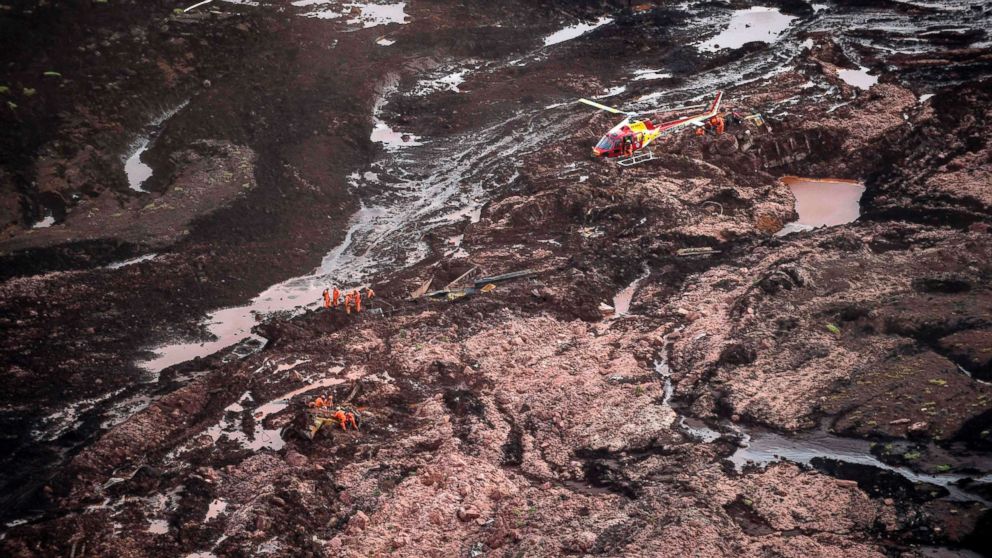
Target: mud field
x=773 y=342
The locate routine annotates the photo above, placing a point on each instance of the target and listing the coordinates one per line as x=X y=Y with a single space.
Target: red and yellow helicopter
x=625 y=139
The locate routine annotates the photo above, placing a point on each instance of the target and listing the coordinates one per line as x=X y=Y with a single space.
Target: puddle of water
x=622 y=300
x=132 y=261
x=823 y=203
x=382 y=41
x=640 y=75
x=158 y=527
x=925 y=97
x=759 y=23
x=217 y=507
x=46 y=221
x=137 y=171
x=573 y=31
x=859 y=78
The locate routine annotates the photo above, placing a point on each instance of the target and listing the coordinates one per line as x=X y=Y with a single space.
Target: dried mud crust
x=522 y=423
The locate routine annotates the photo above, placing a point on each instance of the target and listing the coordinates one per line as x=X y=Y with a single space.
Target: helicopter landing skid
x=636 y=159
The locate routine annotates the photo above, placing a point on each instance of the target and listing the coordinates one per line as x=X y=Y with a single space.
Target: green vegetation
x=833 y=329
x=50 y=73
x=28 y=92
x=911 y=455
x=4 y=90
x=943 y=468
x=938 y=382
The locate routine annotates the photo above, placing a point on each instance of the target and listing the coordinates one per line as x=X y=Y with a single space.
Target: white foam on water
x=132 y=261
x=859 y=78
x=574 y=31
x=759 y=23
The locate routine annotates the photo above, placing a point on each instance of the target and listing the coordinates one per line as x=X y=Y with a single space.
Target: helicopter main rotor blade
x=606 y=108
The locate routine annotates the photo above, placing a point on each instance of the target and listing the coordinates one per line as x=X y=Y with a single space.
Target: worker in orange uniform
x=318 y=403
x=718 y=124
x=348 y=301
x=700 y=132
x=358 y=301
x=369 y=295
x=342 y=418
x=327 y=299
x=335 y=297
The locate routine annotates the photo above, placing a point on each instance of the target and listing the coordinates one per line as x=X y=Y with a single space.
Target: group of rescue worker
x=353 y=299
x=343 y=416
x=717 y=125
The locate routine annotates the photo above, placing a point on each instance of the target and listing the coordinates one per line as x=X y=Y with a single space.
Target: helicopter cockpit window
x=607 y=143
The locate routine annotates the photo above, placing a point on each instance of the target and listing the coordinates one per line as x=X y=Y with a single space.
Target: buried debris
x=483 y=285
x=696 y=252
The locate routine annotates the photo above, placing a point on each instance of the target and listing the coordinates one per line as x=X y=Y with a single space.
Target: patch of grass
x=28 y=92
x=911 y=455
x=51 y=73
x=4 y=90
x=833 y=329
x=942 y=468
x=938 y=382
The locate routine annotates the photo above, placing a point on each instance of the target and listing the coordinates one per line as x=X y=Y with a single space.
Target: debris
x=50 y=73
x=462 y=276
x=488 y=288
x=421 y=290
x=690 y=252
x=899 y=421
x=505 y=277
x=197 y=5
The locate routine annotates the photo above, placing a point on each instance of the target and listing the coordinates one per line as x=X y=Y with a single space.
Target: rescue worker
x=700 y=132
x=327 y=299
x=342 y=418
x=348 y=301
x=369 y=293
x=358 y=301
x=318 y=403
x=628 y=146
x=717 y=124
x=351 y=418
x=335 y=297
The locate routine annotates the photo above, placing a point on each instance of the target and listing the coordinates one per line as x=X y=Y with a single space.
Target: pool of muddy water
x=823 y=203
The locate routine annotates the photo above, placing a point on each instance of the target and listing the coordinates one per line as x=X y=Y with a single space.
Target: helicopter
x=628 y=137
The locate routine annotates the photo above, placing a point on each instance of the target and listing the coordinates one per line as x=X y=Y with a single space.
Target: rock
x=584 y=541
x=358 y=521
x=295 y=459
x=468 y=513
x=918 y=427
x=335 y=543
x=888 y=501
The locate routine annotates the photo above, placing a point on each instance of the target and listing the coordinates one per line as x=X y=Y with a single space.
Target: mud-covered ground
x=160 y=337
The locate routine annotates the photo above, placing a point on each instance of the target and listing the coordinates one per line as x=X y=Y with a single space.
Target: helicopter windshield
x=607 y=143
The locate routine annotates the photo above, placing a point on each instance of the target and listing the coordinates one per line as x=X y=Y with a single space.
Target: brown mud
x=519 y=422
